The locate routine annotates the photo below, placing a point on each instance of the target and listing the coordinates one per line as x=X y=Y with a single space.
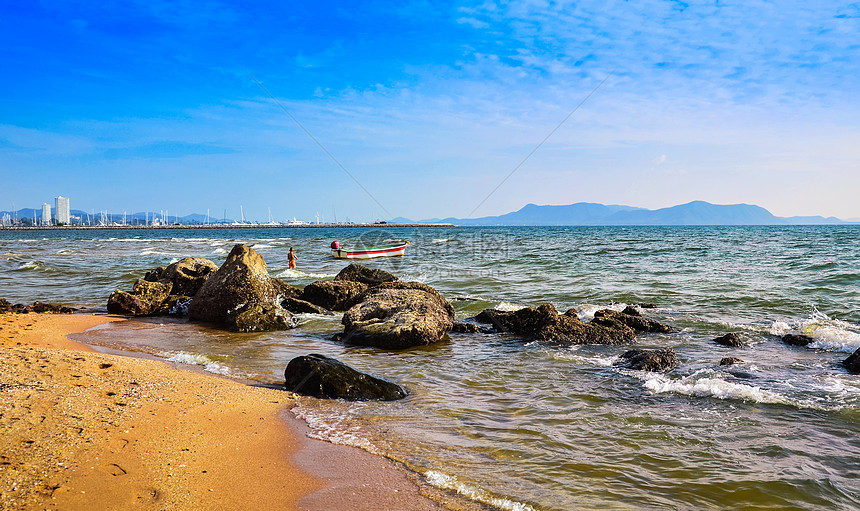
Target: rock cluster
x=36 y=307
x=163 y=290
x=545 y=324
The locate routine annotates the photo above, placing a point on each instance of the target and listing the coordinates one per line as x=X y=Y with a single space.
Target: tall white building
x=46 y=214
x=62 y=211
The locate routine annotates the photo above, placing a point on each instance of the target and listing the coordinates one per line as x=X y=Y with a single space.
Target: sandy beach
x=87 y=430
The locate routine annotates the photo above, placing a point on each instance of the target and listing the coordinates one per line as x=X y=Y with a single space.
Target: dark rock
x=731 y=340
x=297 y=306
x=797 y=340
x=122 y=302
x=336 y=295
x=284 y=290
x=852 y=363
x=657 y=361
x=358 y=273
x=545 y=324
x=324 y=377
x=37 y=307
x=154 y=275
x=242 y=279
x=467 y=327
x=727 y=361
x=187 y=275
x=631 y=310
x=647 y=305
x=396 y=315
x=611 y=318
x=260 y=317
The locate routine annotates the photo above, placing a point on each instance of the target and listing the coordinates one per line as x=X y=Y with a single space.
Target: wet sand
x=86 y=430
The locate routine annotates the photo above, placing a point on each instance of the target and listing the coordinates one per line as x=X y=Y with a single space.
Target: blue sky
x=149 y=105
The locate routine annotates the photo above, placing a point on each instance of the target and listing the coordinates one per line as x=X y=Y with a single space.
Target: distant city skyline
x=426 y=110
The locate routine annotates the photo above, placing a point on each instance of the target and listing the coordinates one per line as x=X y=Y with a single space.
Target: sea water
x=525 y=425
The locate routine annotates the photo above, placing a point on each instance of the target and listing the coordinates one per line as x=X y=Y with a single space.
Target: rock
x=127 y=304
x=336 y=295
x=297 y=306
x=852 y=363
x=647 y=305
x=260 y=317
x=187 y=275
x=658 y=361
x=731 y=340
x=466 y=327
x=324 y=377
x=545 y=324
x=154 y=292
x=727 y=361
x=611 y=318
x=37 y=307
x=797 y=340
x=632 y=311
x=242 y=279
x=397 y=315
x=358 y=273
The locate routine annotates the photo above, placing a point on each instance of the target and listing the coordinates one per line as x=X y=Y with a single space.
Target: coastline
x=82 y=429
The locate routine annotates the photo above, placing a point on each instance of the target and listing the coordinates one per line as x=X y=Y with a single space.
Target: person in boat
x=292 y=258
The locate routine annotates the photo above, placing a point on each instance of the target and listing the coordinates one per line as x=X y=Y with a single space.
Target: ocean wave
x=334 y=429
x=208 y=364
x=447 y=482
x=220 y=251
x=586 y=311
x=32 y=266
x=152 y=251
x=706 y=383
x=592 y=360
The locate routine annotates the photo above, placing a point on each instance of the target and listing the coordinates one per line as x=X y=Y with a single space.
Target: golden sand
x=84 y=430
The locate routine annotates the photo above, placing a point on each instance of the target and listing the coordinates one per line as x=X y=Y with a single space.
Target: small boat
x=395 y=249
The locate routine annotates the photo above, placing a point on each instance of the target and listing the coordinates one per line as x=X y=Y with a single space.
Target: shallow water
x=529 y=425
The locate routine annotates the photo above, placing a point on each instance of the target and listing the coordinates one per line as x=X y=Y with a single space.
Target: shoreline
x=84 y=429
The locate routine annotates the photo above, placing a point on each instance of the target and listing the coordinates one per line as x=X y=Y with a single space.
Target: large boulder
x=657 y=361
x=186 y=275
x=370 y=276
x=324 y=377
x=632 y=318
x=396 y=315
x=852 y=363
x=241 y=280
x=146 y=298
x=260 y=317
x=297 y=306
x=336 y=295
x=544 y=323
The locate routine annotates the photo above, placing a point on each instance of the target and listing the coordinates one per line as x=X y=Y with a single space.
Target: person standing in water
x=291 y=257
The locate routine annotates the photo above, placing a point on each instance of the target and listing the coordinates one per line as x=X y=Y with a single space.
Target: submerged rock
x=852 y=363
x=544 y=323
x=336 y=295
x=242 y=279
x=657 y=361
x=260 y=317
x=297 y=306
x=630 y=317
x=370 y=276
x=467 y=327
x=320 y=376
x=397 y=315
x=727 y=361
x=731 y=340
x=797 y=340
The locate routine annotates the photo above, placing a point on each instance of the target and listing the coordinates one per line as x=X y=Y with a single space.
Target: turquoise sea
x=522 y=425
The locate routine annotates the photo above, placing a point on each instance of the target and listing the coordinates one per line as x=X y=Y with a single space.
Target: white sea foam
x=220 y=251
x=208 y=364
x=586 y=311
x=706 y=383
x=293 y=273
x=779 y=328
x=509 y=307
x=447 y=482
x=593 y=360
x=32 y=265
x=152 y=251
x=262 y=245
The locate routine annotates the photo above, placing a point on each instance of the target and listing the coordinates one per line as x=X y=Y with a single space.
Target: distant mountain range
x=585 y=213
